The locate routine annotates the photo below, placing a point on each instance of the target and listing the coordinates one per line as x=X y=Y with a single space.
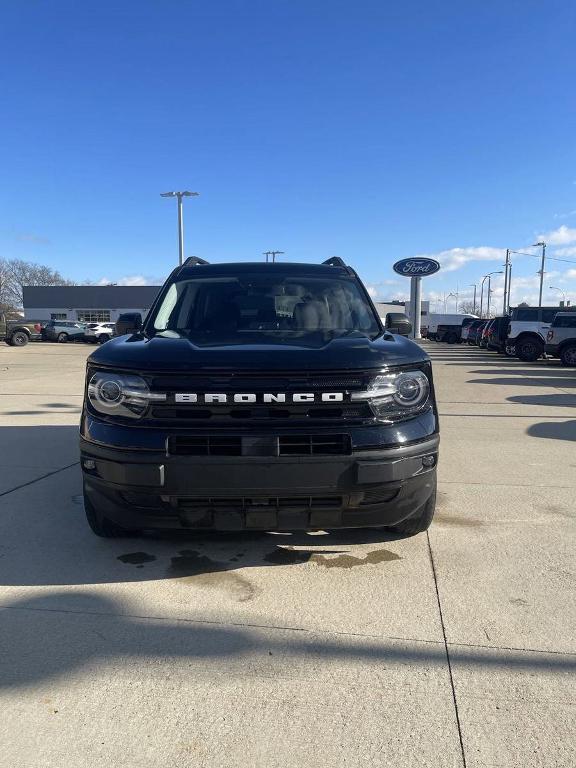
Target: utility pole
x=488 y=302
x=507 y=266
x=271 y=255
x=541 y=273
x=180 y=195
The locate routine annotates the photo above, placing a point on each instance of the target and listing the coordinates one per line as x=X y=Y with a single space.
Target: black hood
x=139 y=353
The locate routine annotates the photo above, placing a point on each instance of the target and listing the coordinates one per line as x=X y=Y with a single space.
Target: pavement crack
x=458 y=725
x=38 y=479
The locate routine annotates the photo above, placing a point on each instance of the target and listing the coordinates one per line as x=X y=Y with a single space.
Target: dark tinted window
x=548 y=315
x=256 y=307
x=564 y=321
x=526 y=314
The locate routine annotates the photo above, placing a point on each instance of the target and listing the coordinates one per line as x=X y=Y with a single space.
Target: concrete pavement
x=354 y=648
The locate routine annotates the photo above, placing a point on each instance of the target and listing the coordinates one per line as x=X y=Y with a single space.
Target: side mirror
x=397 y=322
x=129 y=322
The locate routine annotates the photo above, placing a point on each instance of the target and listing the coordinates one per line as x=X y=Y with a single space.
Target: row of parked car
x=63 y=331
x=527 y=333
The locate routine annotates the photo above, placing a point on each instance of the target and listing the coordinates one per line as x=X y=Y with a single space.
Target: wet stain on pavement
x=349 y=561
x=136 y=558
x=287 y=556
x=200 y=570
x=465 y=522
x=324 y=559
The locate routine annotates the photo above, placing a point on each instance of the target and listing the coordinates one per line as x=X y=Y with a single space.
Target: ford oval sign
x=416 y=267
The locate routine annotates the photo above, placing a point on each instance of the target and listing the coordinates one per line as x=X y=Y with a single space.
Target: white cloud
x=561 y=236
x=570 y=274
x=455 y=258
x=566 y=215
x=570 y=251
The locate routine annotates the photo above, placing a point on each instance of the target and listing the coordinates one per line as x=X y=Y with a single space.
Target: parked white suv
x=528 y=329
x=99 y=332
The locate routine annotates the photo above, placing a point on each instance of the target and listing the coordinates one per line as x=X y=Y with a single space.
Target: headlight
x=120 y=394
x=393 y=396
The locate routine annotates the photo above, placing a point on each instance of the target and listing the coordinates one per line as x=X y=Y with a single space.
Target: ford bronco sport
x=259 y=397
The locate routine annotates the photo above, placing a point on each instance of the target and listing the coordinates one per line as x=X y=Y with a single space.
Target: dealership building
x=86 y=303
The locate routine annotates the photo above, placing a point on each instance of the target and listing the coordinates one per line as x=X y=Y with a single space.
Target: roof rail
x=193 y=261
x=335 y=261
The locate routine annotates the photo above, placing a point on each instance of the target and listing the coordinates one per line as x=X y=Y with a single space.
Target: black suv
x=259 y=396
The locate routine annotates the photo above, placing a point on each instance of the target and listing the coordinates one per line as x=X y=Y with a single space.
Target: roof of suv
x=244 y=267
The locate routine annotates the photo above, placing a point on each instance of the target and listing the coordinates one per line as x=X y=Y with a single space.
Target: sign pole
x=416 y=269
x=416 y=304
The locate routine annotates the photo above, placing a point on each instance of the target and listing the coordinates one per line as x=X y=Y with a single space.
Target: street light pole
x=473 y=285
x=543 y=245
x=553 y=288
x=486 y=277
x=180 y=195
x=506 y=268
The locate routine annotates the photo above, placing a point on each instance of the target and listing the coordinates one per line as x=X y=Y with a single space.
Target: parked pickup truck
x=18 y=333
x=561 y=338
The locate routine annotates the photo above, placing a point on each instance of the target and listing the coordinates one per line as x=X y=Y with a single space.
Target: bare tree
x=15 y=274
x=468 y=308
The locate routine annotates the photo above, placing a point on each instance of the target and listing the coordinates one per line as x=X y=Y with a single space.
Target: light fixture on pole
x=482 y=289
x=455 y=296
x=553 y=288
x=180 y=195
x=542 y=244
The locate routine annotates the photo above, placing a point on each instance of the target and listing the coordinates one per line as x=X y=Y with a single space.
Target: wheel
x=19 y=339
x=420 y=521
x=62 y=338
x=451 y=338
x=529 y=350
x=103 y=338
x=568 y=355
x=100 y=525
x=510 y=350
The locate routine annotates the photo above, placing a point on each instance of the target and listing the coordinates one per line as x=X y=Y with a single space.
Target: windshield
x=251 y=308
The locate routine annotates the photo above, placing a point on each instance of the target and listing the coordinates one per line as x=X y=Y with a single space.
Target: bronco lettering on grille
x=214 y=398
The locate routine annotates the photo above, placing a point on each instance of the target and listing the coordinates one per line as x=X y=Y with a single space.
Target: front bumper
x=150 y=490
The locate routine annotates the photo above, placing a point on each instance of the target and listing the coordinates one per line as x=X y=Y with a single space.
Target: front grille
x=211 y=445
x=314 y=445
x=243 y=503
x=260 y=445
x=222 y=414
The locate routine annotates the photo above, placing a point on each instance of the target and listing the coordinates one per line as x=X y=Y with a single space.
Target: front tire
x=529 y=350
x=62 y=338
x=420 y=521
x=19 y=339
x=100 y=525
x=568 y=355
x=103 y=338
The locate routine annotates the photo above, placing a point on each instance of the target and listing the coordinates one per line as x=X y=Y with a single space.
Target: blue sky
x=372 y=130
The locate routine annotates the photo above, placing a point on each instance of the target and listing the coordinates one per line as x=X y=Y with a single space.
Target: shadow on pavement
x=53 y=635
x=554 y=430
x=45 y=540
